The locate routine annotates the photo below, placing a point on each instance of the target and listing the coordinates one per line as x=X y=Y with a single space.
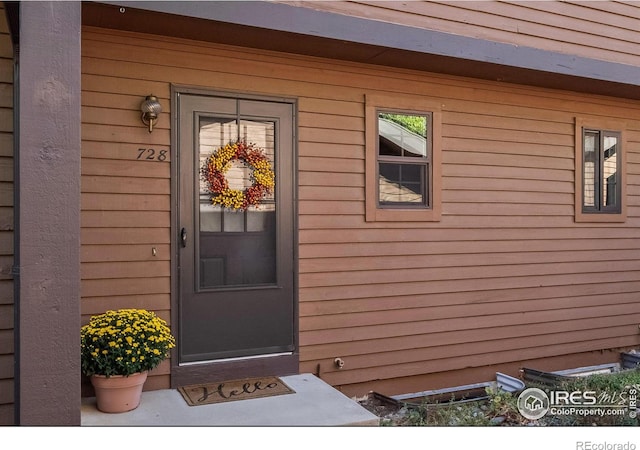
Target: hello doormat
x=228 y=391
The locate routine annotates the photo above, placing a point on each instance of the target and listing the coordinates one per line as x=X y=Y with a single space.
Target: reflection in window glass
x=214 y=133
x=601 y=168
x=610 y=170
x=403 y=159
x=589 y=169
x=402 y=135
x=401 y=183
x=261 y=219
x=233 y=222
x=210 y=215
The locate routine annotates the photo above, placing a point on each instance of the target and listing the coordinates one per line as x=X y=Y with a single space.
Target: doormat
x=229 y=391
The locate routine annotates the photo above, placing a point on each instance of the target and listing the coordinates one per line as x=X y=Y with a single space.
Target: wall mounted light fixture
x=151 y=109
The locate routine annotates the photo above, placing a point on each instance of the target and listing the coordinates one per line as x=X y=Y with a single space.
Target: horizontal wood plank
x=425 y=327
x=125 y=185
x=152 y=302
x=125 y=219
x=477 y=360
x=124 y=236
x=453 y=284
x=124 y=202
x=122 y=287
x=123 y=253
x=6 y=317
x=439 y=341
x=122 y=270
x=7 y=398
x=469 y=349
x=7 y=342
x=564 y=308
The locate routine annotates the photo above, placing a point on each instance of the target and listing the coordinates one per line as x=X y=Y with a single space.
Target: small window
x=600 y=181
x=404 y=156
x=402 y=159
x=601 y=171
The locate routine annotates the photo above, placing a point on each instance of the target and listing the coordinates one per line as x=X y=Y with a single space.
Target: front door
x=236 y=263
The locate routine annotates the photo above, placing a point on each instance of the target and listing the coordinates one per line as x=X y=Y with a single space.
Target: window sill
x=581 y=217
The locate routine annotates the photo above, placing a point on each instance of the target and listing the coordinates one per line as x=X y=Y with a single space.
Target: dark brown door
x=236 y=267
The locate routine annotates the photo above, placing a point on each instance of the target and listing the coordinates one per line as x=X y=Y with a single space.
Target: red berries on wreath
x=218 y=163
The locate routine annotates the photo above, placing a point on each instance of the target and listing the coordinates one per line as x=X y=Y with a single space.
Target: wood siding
x=505 y=278
x=125 y=201
x=607 y=30
x=7 y=348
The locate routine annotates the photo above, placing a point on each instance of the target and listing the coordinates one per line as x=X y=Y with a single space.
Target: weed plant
x=609 y=389
x=500 y=408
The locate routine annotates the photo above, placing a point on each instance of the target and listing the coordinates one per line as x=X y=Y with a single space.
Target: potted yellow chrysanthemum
x=118 y=348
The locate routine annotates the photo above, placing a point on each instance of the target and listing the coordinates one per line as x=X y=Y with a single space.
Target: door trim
x=266 y=365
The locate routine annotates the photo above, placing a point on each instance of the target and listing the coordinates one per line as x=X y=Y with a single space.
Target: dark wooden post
x=48 y=213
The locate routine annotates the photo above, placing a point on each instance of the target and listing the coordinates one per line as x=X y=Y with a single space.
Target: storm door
x=235 y=239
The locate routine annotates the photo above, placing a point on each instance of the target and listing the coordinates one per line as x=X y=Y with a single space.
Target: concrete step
x=314 y=403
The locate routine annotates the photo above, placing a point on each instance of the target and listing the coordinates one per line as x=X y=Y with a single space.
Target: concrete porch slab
x=315 y=403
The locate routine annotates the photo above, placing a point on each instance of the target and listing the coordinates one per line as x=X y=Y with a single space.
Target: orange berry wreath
x=218 y=163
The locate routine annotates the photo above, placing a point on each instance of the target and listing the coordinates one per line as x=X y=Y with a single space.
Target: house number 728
x=152 y=154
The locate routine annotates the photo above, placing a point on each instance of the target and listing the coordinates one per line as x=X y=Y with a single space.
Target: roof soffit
x=280 y=27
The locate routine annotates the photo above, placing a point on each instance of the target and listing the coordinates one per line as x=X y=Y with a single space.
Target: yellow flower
x=147 y=336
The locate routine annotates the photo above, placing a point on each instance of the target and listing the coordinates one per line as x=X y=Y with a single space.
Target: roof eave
x=302 y=30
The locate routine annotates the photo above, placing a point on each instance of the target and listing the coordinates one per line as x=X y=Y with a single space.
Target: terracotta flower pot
x=118 y=393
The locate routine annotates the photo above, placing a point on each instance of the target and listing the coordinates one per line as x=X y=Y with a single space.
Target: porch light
x=151 y=109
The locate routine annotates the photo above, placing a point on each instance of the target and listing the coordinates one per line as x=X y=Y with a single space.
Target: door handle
x=183 y=237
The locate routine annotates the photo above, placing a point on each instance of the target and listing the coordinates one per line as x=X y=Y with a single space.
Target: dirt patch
x=389 y=413
x=497 y=411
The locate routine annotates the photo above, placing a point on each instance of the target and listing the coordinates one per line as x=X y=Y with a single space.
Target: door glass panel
x=236 y=247
x=210 y=215
x=233 y=221
x=214 y=133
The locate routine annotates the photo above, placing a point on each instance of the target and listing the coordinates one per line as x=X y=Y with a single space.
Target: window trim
x=600 y=125
x=374 y=212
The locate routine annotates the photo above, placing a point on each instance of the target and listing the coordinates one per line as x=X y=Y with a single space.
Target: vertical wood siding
x=504 y=278
x=6 y=224
x=607 y=30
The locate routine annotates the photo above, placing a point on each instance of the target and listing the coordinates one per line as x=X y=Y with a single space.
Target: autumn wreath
x=218 y=163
